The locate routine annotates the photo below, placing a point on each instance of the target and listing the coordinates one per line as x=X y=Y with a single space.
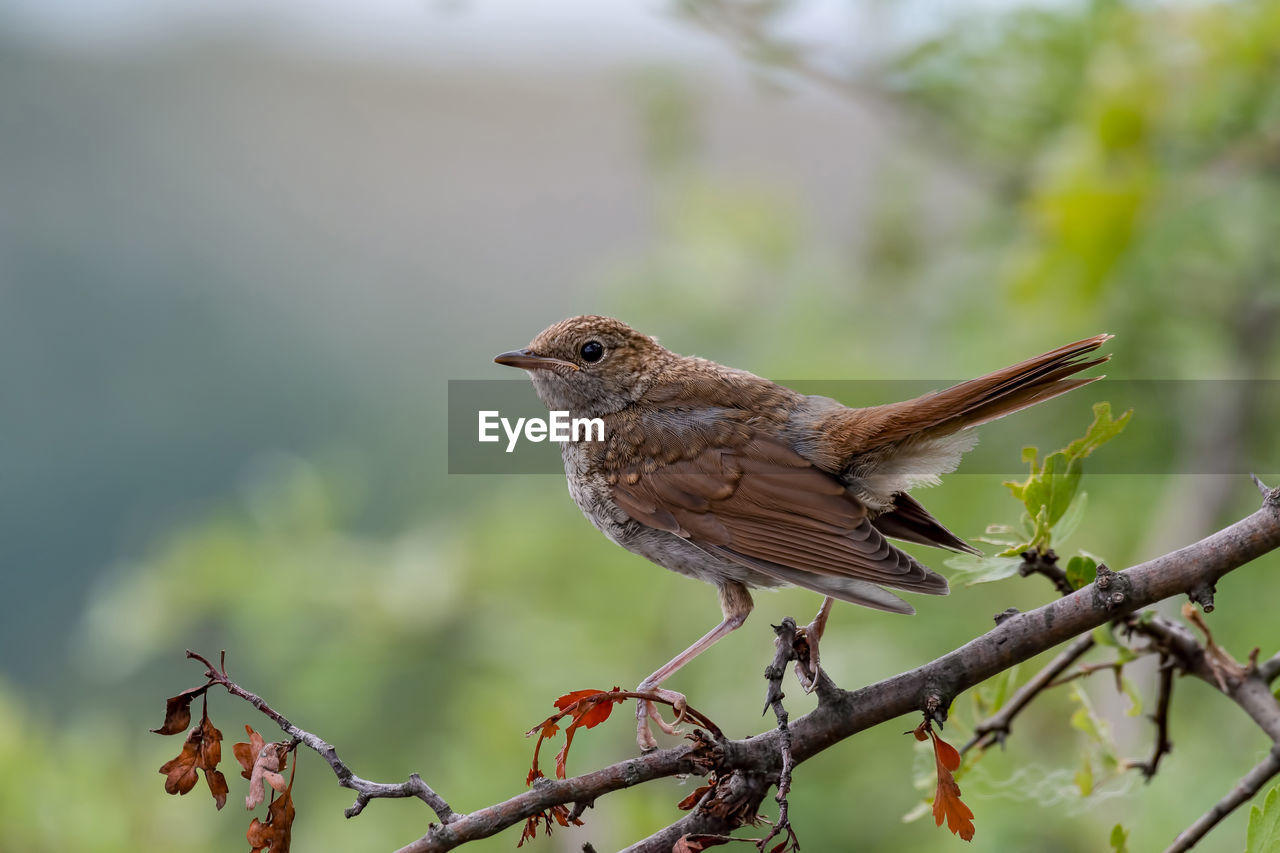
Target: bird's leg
x=812 y=634
x=735 y=604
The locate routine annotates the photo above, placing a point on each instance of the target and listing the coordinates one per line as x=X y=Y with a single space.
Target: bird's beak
x=526 y=360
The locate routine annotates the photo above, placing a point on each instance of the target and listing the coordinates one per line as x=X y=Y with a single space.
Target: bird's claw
x=807 y=671
x=647 y=712
x=812 y=633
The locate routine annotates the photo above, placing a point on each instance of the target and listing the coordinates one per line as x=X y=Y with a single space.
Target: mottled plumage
x=721 y=475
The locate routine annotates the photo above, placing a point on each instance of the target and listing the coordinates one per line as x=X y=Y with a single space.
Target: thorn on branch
x=1270 y=668
x=1269 y=496
x=580 y=807
x=1202 y=594
x=1005 y=615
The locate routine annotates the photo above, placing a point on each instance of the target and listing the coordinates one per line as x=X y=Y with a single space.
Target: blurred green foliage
x=1120 y=165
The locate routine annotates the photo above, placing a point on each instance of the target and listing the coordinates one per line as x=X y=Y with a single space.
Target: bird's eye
x=592 y=351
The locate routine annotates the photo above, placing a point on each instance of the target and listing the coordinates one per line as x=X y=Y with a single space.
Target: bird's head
x=590 y=366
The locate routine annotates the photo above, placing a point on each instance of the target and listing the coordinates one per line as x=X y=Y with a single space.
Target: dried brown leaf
x=180 y=772
x=946 y=799
x=202 y=750
x=559 y=814
x=695 y=796
x=217 y=786
x=247 y=753
x=275 y=832
x=210 y=745
x=177 y=711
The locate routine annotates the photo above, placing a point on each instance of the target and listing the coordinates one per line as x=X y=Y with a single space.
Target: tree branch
x=1241 y=793
x=365 y=790
x=755 y=763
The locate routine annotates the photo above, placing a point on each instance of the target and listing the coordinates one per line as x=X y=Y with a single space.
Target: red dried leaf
x=568 y=699
x=530 y=830
x=560 y=814
x=588 y=708
x=694 y=797
x=946 y=754
x=177 y=711
x=946 y=799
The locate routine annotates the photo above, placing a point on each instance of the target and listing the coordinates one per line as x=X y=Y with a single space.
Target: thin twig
x=1035 y=563
x=1163 y=746
x=365 y=790
x=1104 y=666
x=996 y=727
x=1241 y=793
x=784 y=644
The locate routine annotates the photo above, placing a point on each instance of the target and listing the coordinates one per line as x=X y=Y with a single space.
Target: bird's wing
x=766 y=507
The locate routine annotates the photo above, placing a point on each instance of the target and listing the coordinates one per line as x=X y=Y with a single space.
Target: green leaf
x=1084 y=778
x=1086 y=720
x=1135 y=700
x=1071 y=519
x=1050 y=488
x=1081 y=571
x=970 y=569
x=1103 y=429
x=1119 y=839
x=1264 y=825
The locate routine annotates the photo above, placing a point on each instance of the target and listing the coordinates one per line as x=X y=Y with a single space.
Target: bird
x=732 y=479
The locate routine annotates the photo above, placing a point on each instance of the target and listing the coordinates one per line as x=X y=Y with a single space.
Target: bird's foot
x=647 y=711
x=807 y=671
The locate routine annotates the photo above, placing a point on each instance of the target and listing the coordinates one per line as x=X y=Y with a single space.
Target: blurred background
x=245 y=245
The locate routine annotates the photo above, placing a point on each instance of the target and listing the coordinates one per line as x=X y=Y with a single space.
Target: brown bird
x=729 y=478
